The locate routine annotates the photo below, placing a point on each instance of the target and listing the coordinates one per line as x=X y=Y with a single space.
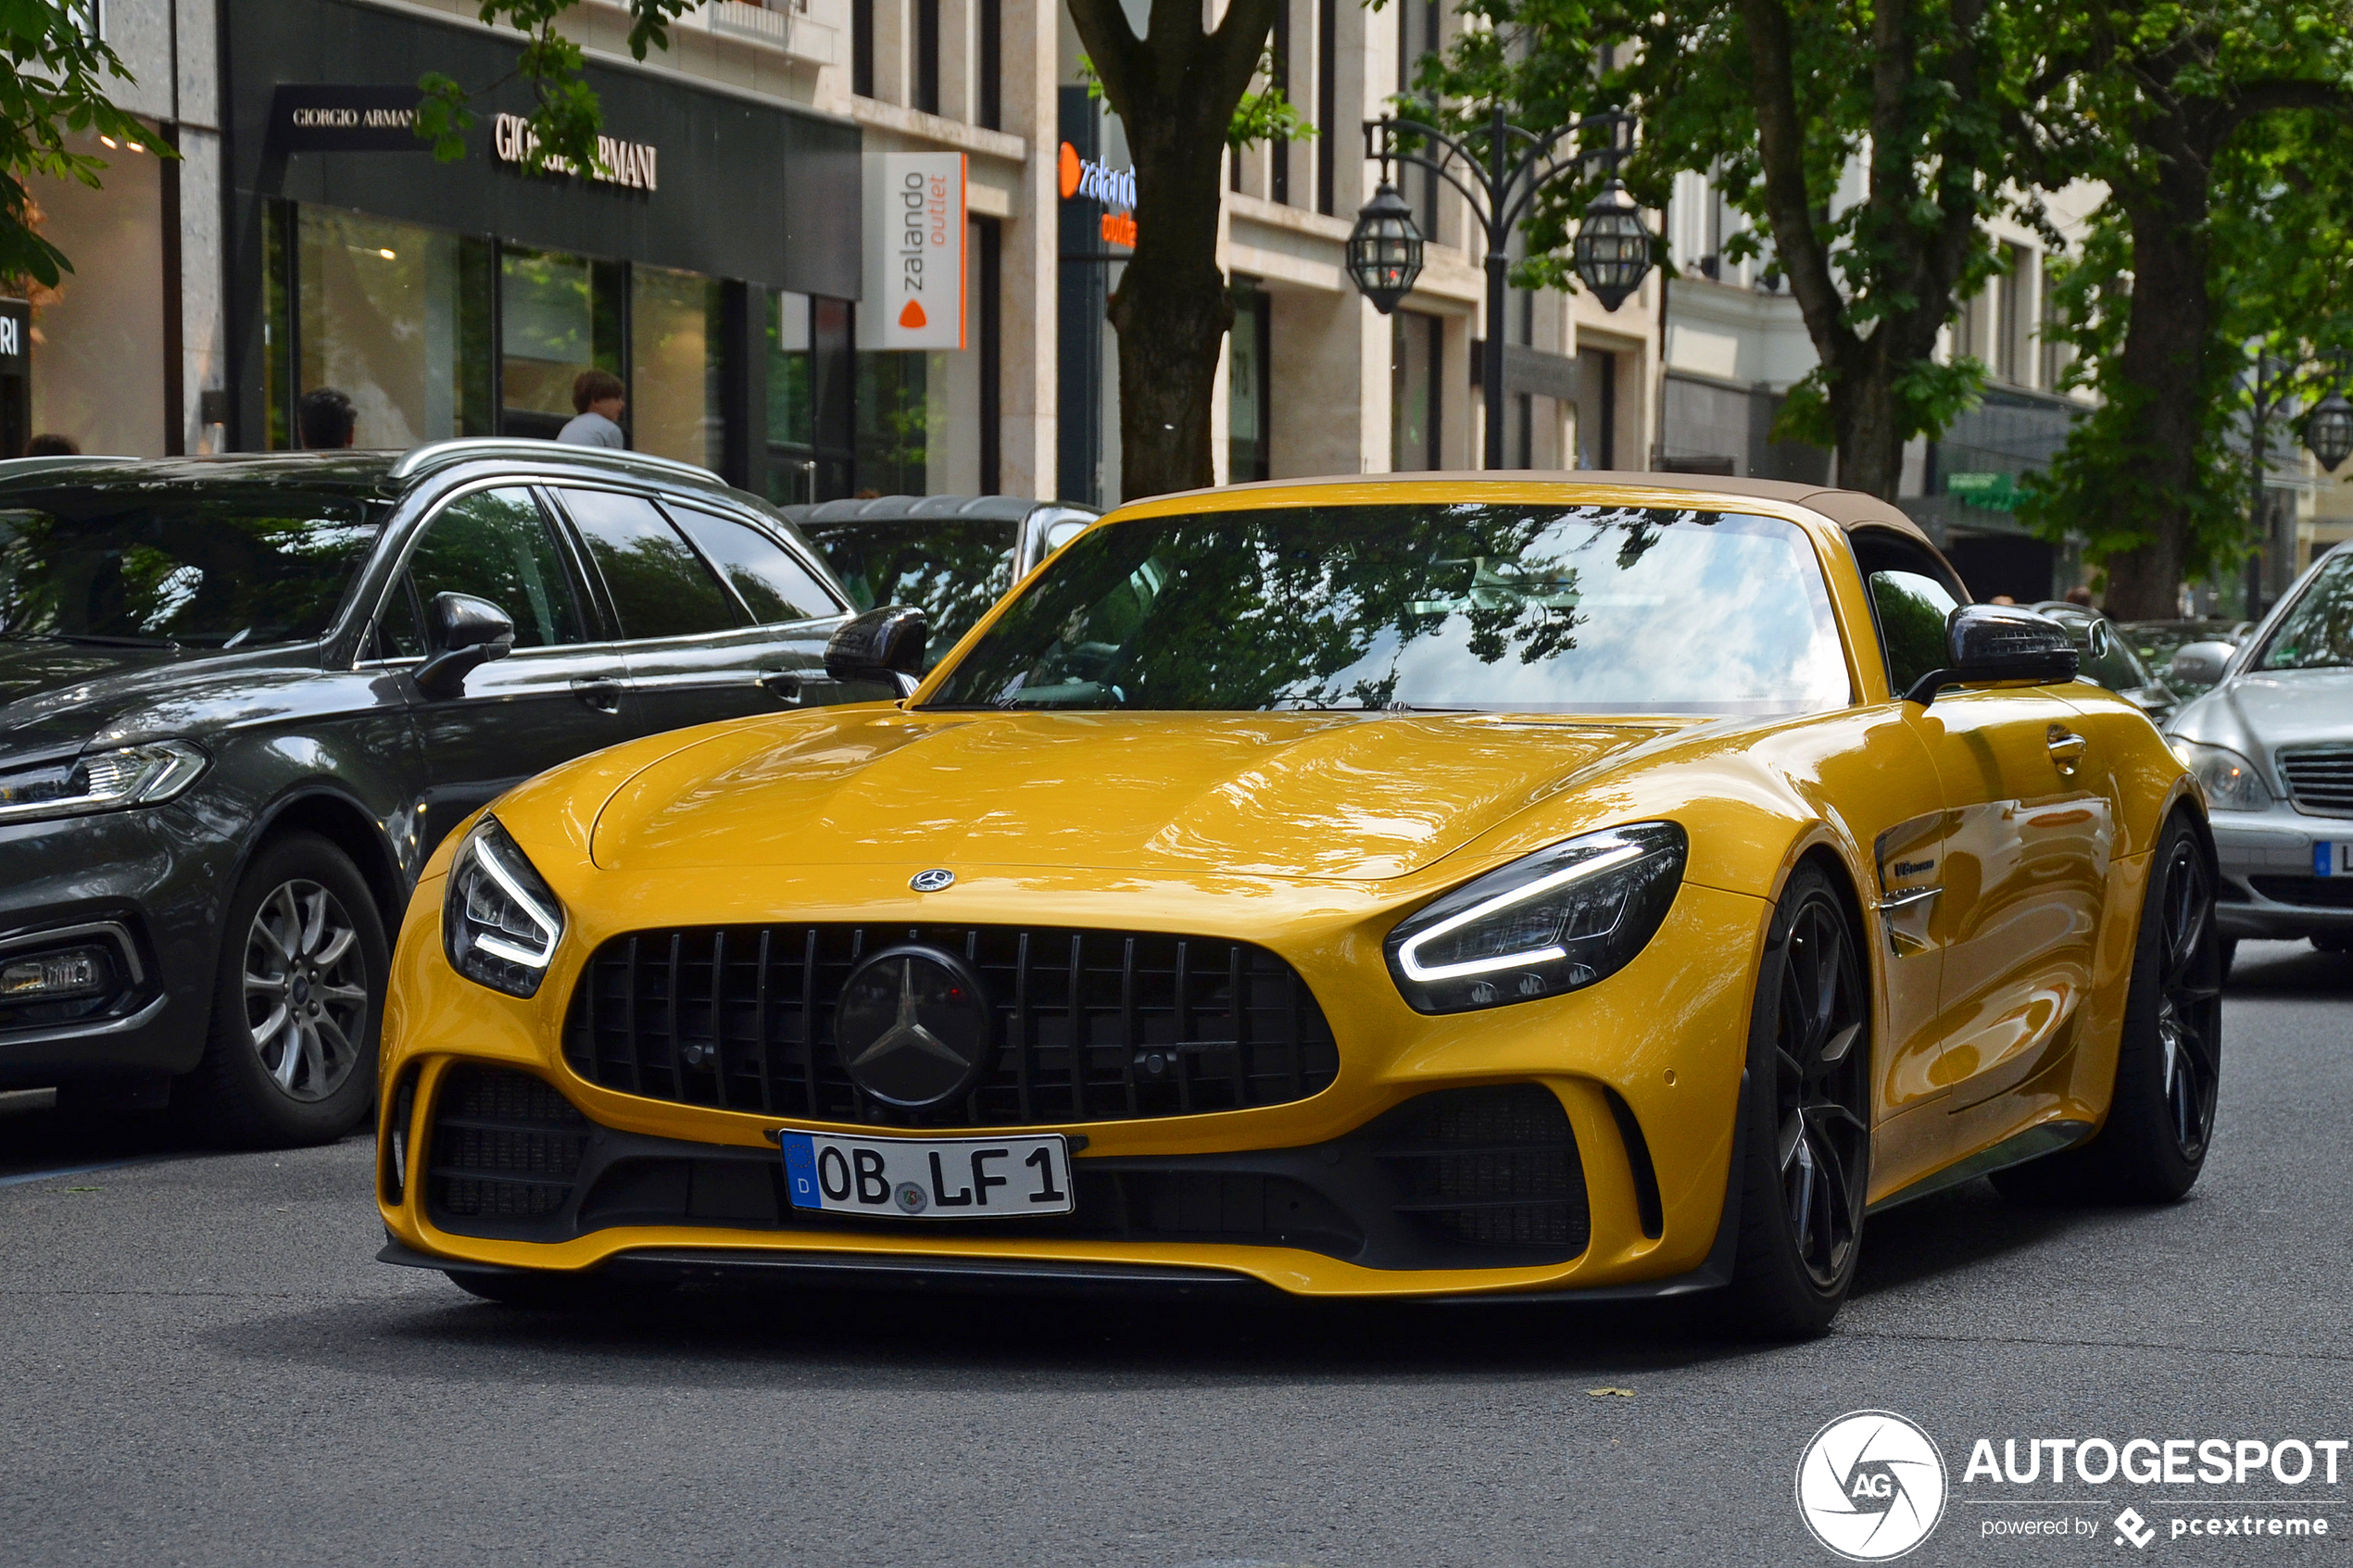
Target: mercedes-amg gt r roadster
x=1574 y=885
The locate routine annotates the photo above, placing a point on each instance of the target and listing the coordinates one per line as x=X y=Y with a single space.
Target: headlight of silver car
x=100 y=780
x=1560 y=919
x=500 y=920
x=2232 y=783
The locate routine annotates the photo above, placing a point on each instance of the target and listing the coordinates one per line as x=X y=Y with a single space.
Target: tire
x=298 y=1002
x=2160 y=1119
x=1806 y=1139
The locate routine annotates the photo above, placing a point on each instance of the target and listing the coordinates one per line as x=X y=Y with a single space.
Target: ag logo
x=1871 y=1485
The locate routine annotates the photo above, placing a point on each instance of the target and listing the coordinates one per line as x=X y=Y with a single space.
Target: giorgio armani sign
x=344 y=119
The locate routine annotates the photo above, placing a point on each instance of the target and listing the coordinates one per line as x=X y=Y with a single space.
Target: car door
x=2008 y=884
x=796 y=612
x=694 y=653
x=560 y=694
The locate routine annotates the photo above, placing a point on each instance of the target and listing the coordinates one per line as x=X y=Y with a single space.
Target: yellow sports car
x=1581 y=885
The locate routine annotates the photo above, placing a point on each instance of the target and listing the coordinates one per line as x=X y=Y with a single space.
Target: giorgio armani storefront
x=714 y=271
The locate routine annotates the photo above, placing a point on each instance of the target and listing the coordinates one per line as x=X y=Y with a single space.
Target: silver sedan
x=2272 y=743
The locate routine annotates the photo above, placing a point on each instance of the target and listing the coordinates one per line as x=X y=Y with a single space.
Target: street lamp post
x=1611 y=249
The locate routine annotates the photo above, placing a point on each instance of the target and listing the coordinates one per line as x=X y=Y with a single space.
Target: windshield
x=1502 y=608
x=952 y=567
x=204 y=568
x=2317 y=630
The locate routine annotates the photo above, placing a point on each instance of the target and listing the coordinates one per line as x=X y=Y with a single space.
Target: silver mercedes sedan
x=2273 y=745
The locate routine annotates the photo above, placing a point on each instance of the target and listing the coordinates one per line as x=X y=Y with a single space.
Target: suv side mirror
x=2201 y=663
x=1999 y=643
x=884 y=645
x=472 y=633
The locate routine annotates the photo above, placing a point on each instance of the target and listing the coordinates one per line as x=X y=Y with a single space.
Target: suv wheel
x=291 y=1057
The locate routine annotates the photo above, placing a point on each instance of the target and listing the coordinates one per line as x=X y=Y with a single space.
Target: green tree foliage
x=2215 y=127
x=1865 y=144
x=565 y=116
x=59 y=71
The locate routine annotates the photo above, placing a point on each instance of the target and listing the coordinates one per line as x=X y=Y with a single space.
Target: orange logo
x=912 y=317
x=1069 y=171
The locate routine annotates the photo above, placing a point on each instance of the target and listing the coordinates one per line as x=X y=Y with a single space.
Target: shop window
x=659 y=586
x=558 y=314
x=773 y=585
x=1249 y=416
x=1417 y=390
x=96 y=368
x=494 y=544
x=919 y=415
x=809 y=415
x=677 y=328
x=395 y=316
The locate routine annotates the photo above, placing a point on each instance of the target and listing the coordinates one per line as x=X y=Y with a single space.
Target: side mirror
x=471 y=632
x=2201 y=663
x=1999 y=643
x=884 y=645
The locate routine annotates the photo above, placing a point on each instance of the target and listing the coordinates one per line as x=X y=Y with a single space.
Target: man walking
x=597 y=396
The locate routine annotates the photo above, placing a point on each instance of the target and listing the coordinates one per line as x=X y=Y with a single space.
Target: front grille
x=2321 y=778
x=2312 y=892
x=1491 y=1167
x=1090 y=1025
x=504 y=1146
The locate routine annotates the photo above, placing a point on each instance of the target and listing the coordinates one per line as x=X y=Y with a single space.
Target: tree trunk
x=2163 y=365
x=1172 y=312
x=1871 y=453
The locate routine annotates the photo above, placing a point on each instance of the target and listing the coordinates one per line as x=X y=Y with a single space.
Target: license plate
x=2332 y=859
x=928 y=1179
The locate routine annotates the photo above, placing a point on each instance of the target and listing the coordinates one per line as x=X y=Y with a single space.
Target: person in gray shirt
x=598 y=395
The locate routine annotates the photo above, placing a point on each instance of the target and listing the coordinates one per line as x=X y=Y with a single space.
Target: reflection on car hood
x=2264 y=711
x=1309 y=795
x=59 y=693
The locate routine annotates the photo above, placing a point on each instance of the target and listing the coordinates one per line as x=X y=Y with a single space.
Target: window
x=927 y=55
x=494 y=544
x=558 y=315
x=659 y=587
x=677 y=325
x=2057 y=352
x=1913 y=594
x=2012 y=325
x=862 y=47
x=1417 y=390
x=1249 y=418
x=776 y=586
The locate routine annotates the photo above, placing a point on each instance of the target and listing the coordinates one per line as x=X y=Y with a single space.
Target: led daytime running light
x=1408 y=956
x=494 y=943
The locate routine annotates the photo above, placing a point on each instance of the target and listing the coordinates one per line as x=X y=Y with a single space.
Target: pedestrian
x=598 y=396
x=325 y=419
x=53 y=445
x=2079 y=594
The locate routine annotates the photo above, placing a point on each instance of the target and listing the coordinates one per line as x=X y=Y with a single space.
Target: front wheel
x=2169 y=1062
x=297 y=1003
x=1807 y=1139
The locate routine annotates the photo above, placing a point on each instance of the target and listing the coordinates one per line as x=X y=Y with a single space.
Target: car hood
x=2262 y=711
x=62 y=693
x=1349 y=796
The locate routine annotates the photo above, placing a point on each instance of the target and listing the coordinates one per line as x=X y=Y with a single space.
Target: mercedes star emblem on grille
x=931 y=881
x=914 y=1027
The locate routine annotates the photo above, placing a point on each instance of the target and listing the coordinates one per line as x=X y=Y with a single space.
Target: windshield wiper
x=89 y=639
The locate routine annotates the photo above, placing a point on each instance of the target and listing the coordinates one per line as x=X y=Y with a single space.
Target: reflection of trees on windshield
x=1378 y=606
x=953 y=568
x=2317 y=631
x=216 y=573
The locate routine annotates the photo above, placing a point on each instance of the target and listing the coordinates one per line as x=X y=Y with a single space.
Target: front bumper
x=1644 y=1069
x=157 y=877
x=2269 y=890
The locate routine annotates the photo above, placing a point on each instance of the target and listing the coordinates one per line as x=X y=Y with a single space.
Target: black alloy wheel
x=1820 y=1095
x=2189 y=999
x=2168 y=1057
x=1806 y=1142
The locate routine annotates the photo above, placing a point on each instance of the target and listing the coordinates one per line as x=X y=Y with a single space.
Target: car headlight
x=2232 y=783
x=100 y=780
x=1560 y=919
x=500 y=920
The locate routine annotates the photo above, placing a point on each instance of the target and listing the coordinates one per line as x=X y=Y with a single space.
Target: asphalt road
x=200 y=1363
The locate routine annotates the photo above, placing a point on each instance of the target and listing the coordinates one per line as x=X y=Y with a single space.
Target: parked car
x=2109 y=660
x=949 y=556
x=1376 y=886
x=2272 y=742
x=2156 y=642
x=244 y=697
